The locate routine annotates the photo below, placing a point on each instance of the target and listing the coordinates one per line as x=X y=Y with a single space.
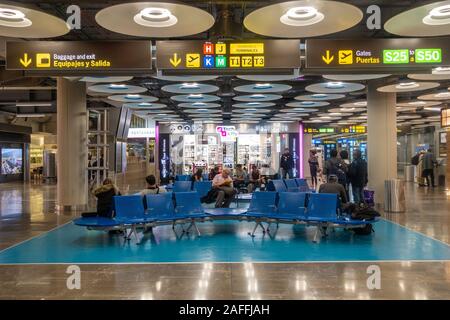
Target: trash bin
x=409 y=173
x=394 y=196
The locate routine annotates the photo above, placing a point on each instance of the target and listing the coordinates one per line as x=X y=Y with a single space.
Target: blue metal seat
x=160 y=208
x=182 y=186
x=291 y=206
x=322 y=207
x=188 y=205
x=291 y=185
x=261 y=206
x=96 y=222
x=277 y=185
x=301 y=182
x=183 y=177
x=202 y=187
x=205 y=176
x=129 y=212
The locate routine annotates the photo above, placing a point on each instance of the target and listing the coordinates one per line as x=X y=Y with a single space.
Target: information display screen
x=377 y=54
x=11 y=161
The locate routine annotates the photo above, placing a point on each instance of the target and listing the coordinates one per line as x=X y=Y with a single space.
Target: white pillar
x=307 y=146
x=72 y=144
x=381 y=138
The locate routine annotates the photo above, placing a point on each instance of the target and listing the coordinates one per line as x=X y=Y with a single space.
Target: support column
x=72 y=145
x=447 y=173
x=381 y=138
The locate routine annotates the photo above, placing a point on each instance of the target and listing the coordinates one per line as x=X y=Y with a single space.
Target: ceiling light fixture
x=195 y=96
x=257 y=96
x=417 y=103
x=117 y=86
x=133 y=96
x=407 y=85
x=438 y=16
x=443 y=95
x=262 y=86
x=302 y=16
x=335 y=85
x=361 y=104
x=13 y=18
x=319 y=96
x=189 y=85
x=155 y=18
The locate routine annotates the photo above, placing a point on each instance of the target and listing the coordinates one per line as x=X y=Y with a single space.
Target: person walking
x=358 y=176
x=428 y=163
x=286 y=164
x=313 y=167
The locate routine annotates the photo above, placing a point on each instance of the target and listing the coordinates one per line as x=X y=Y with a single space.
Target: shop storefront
x=184 y=148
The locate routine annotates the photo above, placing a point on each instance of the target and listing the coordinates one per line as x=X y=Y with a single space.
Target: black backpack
x=415 y=160
x=364 y=231
x=338 y=170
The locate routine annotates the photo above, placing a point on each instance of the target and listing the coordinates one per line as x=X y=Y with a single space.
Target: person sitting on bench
x=223 y=183
x=152 y=187
x=332 y=186
x=104 y=195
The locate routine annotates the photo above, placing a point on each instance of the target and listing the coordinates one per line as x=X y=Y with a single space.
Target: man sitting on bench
x=223 y=183
x=332 y=186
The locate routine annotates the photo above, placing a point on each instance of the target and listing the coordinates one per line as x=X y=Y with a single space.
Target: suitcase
x=369 y=197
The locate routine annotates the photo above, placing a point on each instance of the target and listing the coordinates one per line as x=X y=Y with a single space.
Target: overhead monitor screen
x=11 y=161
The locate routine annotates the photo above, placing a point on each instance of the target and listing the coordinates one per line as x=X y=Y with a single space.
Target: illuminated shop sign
x=227 y=133
x=377 y=53
x=232 y=56
x=354 y=129
x=76 y=56
x=141 y=132
x=319 y=130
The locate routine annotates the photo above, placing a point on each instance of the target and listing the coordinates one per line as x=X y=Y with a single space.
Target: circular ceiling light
x=258 y=97
x=13 y=18
x=105 y=79
x=253 y=105
x=194 y=88
x=441 y=70
x=430 y=77
x=195 y=105
x=436 y=96
x=26 y=22
x=320 y=97
x=263 y=88
x=268 y=78
x=355 y=77
x=308 y=104
x=425 y=21
x=304 y=18
x=132 y=98
x=191 y=98
x=186 y=78
x=145 y=105
x=409 y=87
x=417 y=104
x=154 y=19
x=116 y=88
x=334 y=87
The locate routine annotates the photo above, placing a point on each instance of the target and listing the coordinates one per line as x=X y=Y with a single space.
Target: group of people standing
x=425 y=162
x=340 y=174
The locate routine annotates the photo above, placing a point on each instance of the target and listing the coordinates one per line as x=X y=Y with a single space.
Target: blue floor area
x=226 y=241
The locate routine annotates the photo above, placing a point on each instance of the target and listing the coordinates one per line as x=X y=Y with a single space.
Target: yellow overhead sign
x=247 y=48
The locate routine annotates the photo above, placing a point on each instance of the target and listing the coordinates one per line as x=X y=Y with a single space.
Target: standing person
x=286 y=164
x=358 y=176
x=337 y=167
x=198 y=175
x=104 y=195
x=313 y=167
x=428 y=163
x=345 y=158
x=224 y=185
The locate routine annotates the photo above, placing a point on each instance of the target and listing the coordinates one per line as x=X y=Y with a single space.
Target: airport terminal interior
x=222 y=150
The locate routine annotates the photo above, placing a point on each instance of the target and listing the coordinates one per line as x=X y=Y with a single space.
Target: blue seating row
x=202 y=187
x=289 y=185
x=320 y=210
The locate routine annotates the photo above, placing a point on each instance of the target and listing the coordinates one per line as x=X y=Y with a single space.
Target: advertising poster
x=164 y=156
x=11 y=161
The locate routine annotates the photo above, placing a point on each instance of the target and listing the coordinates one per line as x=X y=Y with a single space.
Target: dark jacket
x=286 y=161
x=335 y=188
x=105 y=196
x=358 y=173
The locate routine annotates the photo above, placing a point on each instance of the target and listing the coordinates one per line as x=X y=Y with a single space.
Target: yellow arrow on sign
x=25 y=61
x=175 y=61
x=328 y=59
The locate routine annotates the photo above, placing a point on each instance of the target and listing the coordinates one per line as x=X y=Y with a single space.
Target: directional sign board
x=78 y=56
x=377 y=54
x=227 y=57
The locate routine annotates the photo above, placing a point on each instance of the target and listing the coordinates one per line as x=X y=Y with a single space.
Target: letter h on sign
x=208 y=48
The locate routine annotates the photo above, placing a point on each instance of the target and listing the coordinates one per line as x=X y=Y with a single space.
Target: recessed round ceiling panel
x=159 y=112
x=356 y=104
x=430 y=20
x=196 y=105
x=154 y=19
x=354 y=77
x=347 y=109
x=441 y=70
x=252 y=110
x=300 y=19
x=307 y=104
x=258 y=97
x=334 y=87
x=26 y=22
x=190 y=87
x=302 y=110
x=320 y=97
x=186 y=78
x=430 y=77
x=268 y=78
x=254 y=105
x=440 y=96
x=132 y=98
x=263 y=88
x=145 y=105
x=418 y=104
x=410 y=86
x=191 y=98
x=408 y=116
x=116 y=88
x=105 y=79
x=203 y=111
